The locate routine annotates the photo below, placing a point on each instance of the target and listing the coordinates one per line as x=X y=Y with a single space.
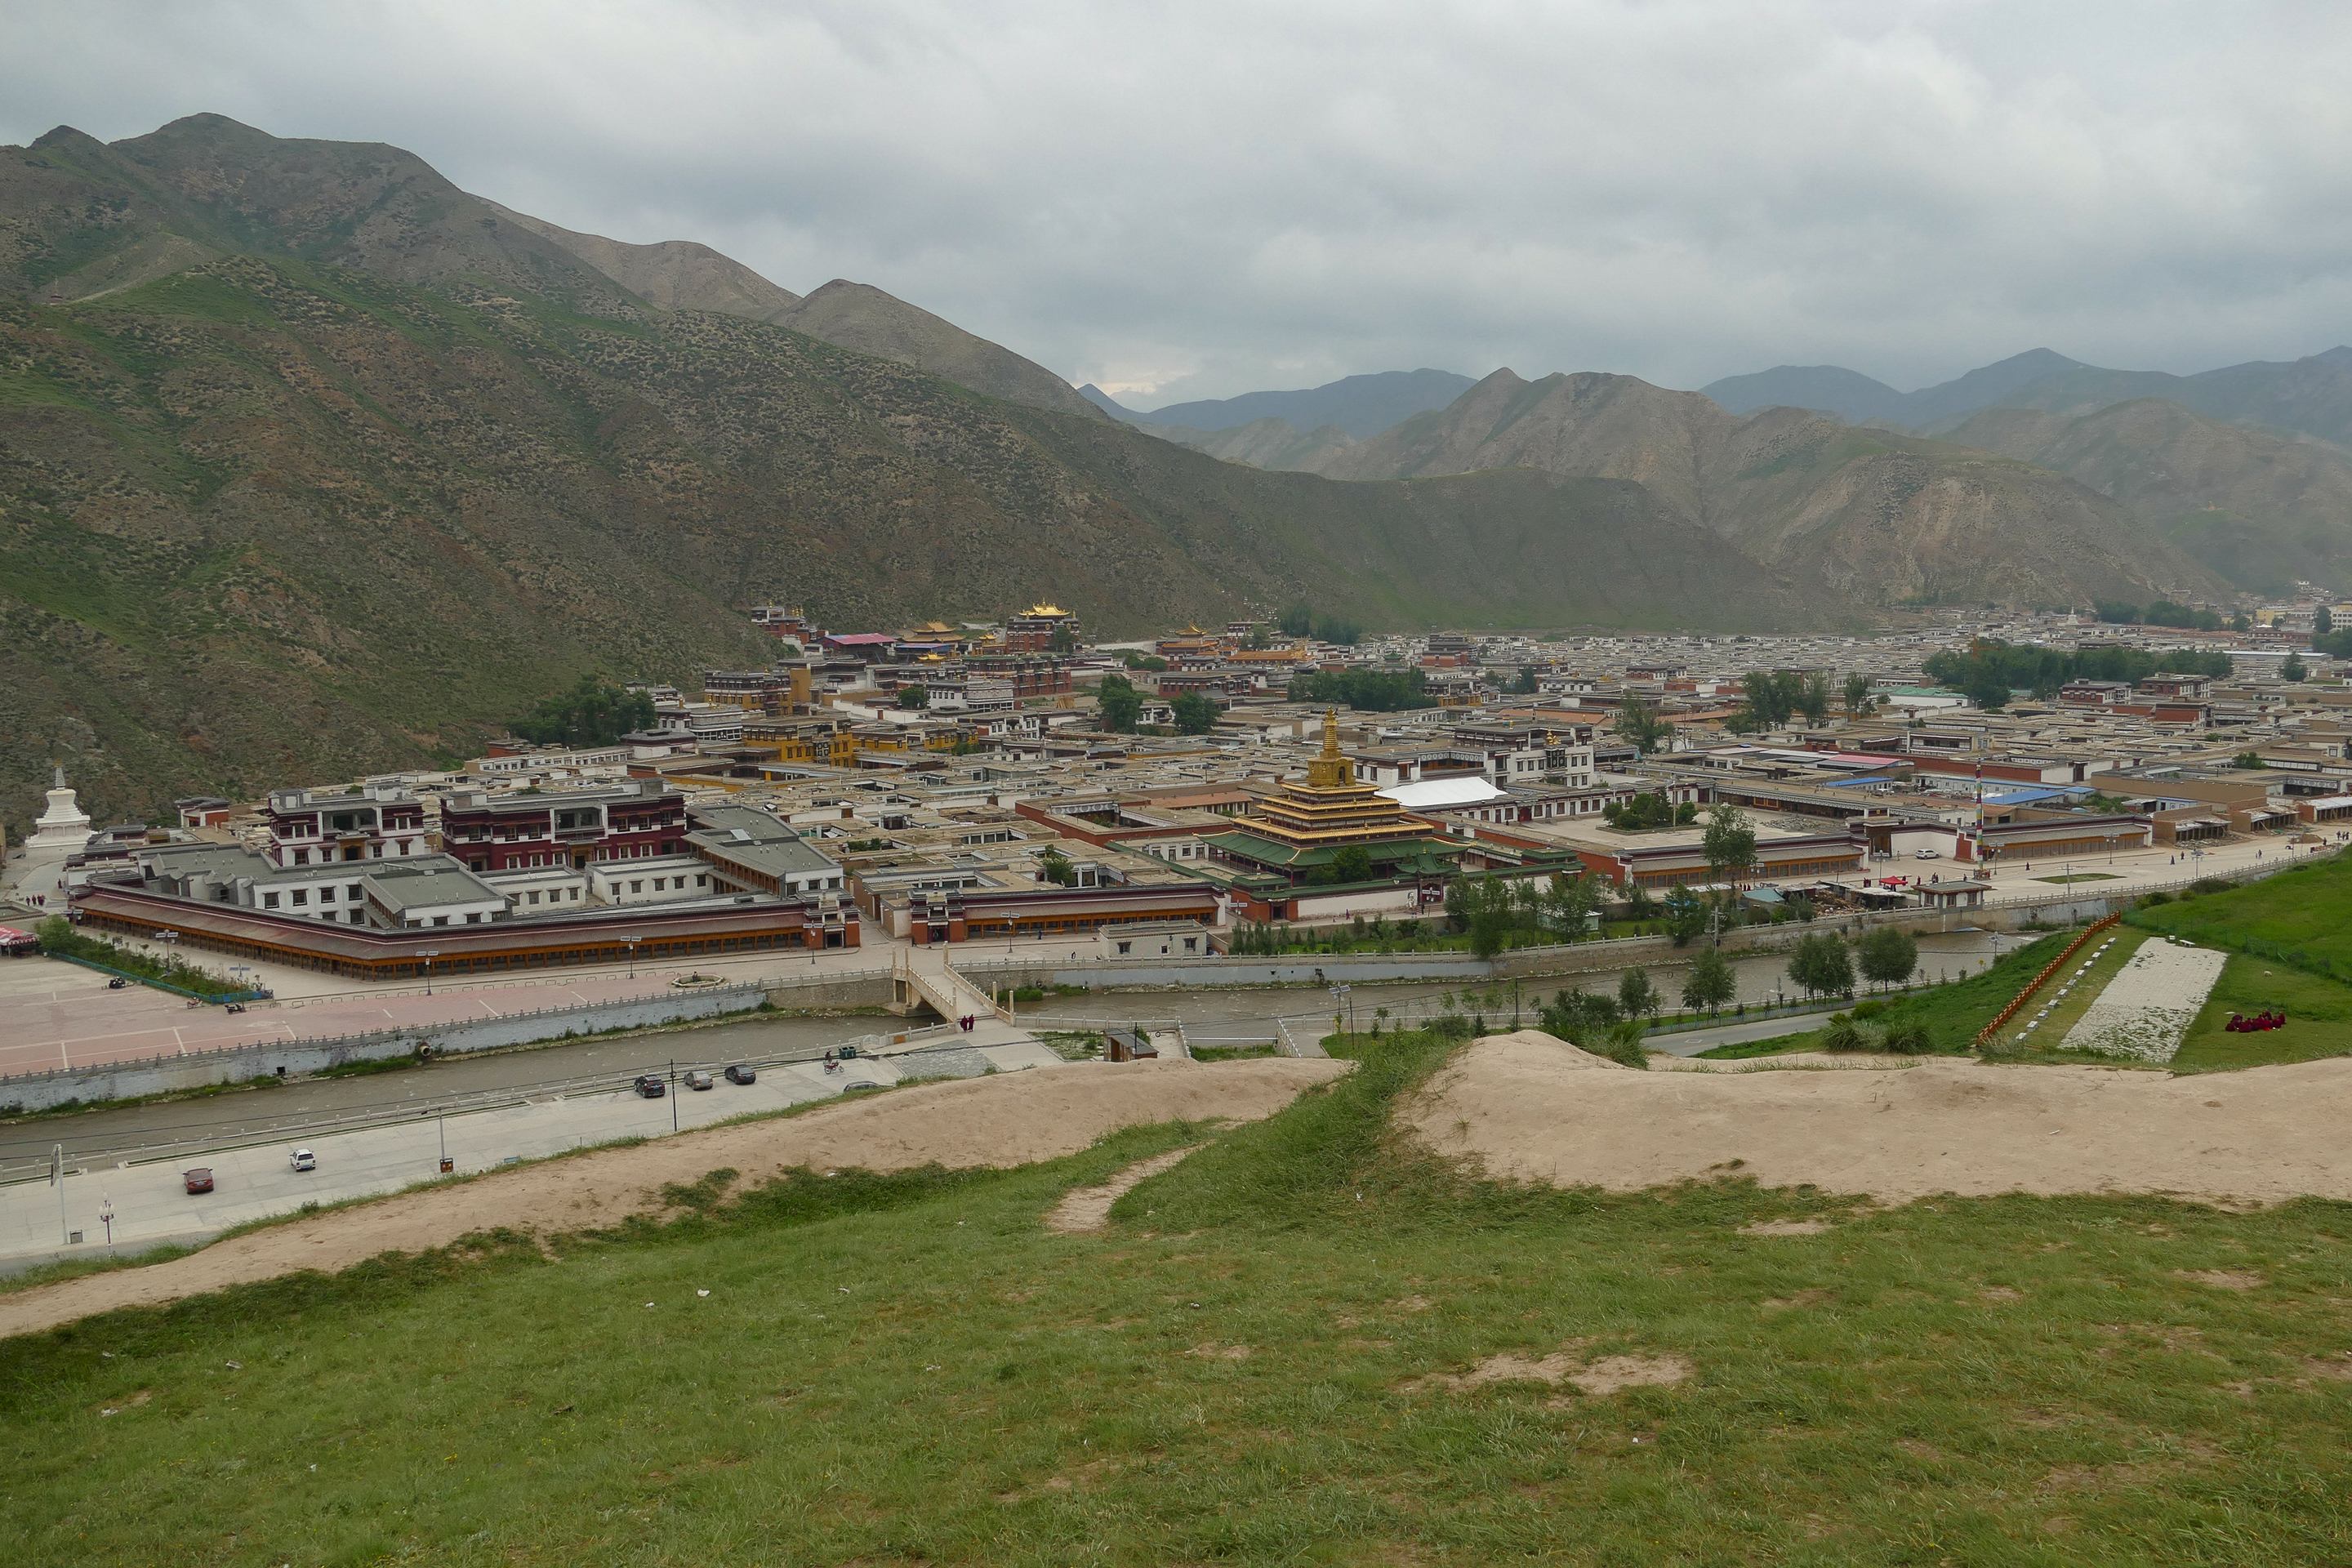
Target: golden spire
x=1331 y=770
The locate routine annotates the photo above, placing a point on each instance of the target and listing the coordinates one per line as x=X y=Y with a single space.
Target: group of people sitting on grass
x=2240 y=1024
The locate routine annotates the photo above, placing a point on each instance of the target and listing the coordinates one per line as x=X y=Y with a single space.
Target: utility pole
x=672 y=1096
x=57 y=1180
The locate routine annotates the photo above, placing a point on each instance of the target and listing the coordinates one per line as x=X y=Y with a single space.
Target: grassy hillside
x=2301 y=917
x=912 y=1370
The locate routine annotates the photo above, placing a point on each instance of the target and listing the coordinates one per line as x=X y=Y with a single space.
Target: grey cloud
x=1216 y=197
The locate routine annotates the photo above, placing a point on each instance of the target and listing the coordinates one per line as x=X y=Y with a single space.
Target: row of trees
x=1121 y=706
x=1298 y=621
x=596 y=712
x=1366 y=690
x=2164 y=613
x=1991 y=669
x=1823 y=965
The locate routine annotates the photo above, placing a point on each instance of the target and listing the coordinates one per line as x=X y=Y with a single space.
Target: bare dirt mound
x=1788 y=1061
x=1530 y=1109
x=1014 y=1119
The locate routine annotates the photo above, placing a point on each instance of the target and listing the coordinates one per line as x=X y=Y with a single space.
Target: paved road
x=151 y=1204
x=266 y=1107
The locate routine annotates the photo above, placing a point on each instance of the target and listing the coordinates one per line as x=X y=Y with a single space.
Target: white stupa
x=65 y=826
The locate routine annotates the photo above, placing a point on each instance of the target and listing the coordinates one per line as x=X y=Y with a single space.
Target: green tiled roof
x=1427 y=856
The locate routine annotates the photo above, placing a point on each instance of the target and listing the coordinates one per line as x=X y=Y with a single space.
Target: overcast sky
x=1195 y=200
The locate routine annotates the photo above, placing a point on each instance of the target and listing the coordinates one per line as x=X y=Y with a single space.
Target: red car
x=200 y=1180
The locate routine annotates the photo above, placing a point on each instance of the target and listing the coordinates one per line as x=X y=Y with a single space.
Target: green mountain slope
x=271 y=521
x=1876 y=516
x=2263 y=511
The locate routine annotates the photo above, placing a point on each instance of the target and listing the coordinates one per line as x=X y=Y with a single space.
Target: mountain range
x=1359 y=405
x=312 y=464
x=2248 y=468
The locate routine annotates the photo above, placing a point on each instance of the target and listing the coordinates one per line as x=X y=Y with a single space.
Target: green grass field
x=2305 y=914
x=910 y=1370
x=2319 y=1012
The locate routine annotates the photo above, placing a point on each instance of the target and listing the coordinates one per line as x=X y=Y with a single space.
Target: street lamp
x=428 y=955
x=632 y=942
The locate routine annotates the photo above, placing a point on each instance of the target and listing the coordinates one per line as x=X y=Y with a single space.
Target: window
x=301 y=857
x=1124 y=948
x=302 y=896
x=531 y=898
x=268 y=900
x=636 y=887
x=702 y=881
x=440 y=920
x=473 y=920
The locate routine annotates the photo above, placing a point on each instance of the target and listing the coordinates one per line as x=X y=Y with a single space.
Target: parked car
x=117 y=983
x=1929 y=854
x=650 y=1088
x=698 y=1079
x=303 y=1159
x=199 y=1180
x=743 y=1073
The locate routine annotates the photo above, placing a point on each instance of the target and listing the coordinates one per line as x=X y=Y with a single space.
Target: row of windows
x=375 y=852
x=302 y=896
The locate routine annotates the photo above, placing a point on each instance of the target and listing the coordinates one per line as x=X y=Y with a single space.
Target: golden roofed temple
x=1304 y=825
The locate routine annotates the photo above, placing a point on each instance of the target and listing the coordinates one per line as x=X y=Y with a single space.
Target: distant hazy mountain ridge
x=1879 y=516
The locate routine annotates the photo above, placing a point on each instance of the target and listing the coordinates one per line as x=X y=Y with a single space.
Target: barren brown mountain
x=2263 y=509
x=1876 y=516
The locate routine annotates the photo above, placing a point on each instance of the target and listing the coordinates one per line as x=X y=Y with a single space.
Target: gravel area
x=2145 y=1010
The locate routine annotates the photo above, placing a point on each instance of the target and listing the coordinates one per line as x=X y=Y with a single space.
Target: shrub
x=1909 y=1039
x=1870 y=1009
x=2210 y=885
x=1623 y=1045
x=2152 y=900
x=1841 y=1035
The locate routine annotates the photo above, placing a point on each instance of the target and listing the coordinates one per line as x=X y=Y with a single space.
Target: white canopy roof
x=1443 y=794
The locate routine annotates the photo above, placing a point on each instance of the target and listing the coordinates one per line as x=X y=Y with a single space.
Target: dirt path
x=1088 y=1208
x=1532 y=1108
x=1014 y=1119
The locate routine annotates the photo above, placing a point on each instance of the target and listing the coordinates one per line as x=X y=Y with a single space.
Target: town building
x=524 y=830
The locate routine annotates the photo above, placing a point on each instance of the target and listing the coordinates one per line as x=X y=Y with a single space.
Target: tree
x=1812 y=698
x=592 y=713
x=1820 y=965
x=1686 y=916
x=1296 y=621
x=1887 y=956
x=1730 y=844
x=1576 y=1018
x=914 y=697
x=1057 y=867
x=1526 y=683
x=1636 y=996
x=1857 y=696
x=2323 y=621
x=1119 y=703
x=1195 y=714
x=1710 y=982
x=2248 y=760
x=2294 y=669
x=1353 y=863
x=1064 y=640
x=1639 y=727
